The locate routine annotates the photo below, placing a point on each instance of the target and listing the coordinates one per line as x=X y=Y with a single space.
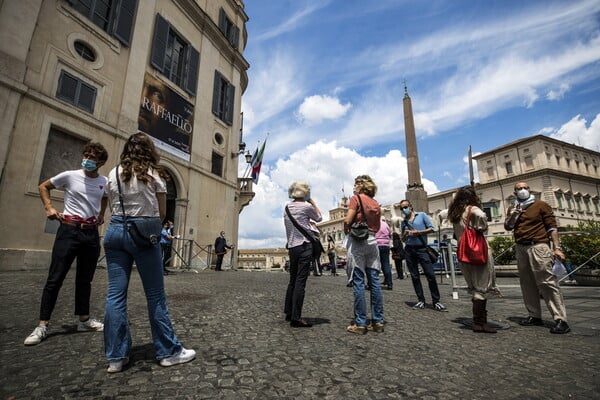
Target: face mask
x=406 y=211
x=523 y=194
x=88 y=165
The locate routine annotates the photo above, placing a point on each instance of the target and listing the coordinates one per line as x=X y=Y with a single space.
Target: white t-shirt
x=83 y=195
x=139 y=199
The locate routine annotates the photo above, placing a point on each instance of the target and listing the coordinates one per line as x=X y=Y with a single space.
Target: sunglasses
x=404 y=208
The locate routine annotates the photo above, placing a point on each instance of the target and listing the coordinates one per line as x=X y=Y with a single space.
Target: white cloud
x=557 y=94
x=328 y=168
x=575 y=131
x=315 y=109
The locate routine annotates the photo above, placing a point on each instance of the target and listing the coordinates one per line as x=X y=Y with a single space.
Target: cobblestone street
x=245 y=349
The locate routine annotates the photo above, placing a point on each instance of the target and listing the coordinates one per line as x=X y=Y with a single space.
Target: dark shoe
x=560 y=327
x=375 y=327
x=387 y=287
x=349 y=284
x=288 y=317
x=300 y=324
x=531 y=321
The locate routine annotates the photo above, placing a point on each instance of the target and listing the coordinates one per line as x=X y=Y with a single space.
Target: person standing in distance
x=302 y=210
x=534 y=228
x=221 y=247
x=166 y=245
x=415 y=227
x=77 y=237
x=383 y=237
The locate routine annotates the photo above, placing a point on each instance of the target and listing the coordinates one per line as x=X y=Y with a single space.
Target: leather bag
x=433 y=254
x=145 y=232
x=359 y=230
x=472 y=246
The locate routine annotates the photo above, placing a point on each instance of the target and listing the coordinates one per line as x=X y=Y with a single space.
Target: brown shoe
x=375 y=327
x=359 y=330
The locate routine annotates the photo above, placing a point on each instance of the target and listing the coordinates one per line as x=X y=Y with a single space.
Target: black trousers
x=414 y=257
x=300 y=261
x=166 y=253
x=219 y=261
x=71 y=243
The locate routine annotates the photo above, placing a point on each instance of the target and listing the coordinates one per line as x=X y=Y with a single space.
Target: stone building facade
x=565 y=176
x=72 y=71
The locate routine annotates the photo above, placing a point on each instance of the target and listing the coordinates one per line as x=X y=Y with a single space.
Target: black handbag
x=431 y=252
x=144 y=232
x=317 y=247
x=359 y=230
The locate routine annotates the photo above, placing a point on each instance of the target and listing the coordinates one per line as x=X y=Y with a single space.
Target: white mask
x=522 y=194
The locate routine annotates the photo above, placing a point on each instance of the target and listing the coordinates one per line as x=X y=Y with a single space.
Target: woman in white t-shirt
x=143 y=191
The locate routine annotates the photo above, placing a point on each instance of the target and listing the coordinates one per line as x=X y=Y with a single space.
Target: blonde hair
x=298 y=190
x=368 y=187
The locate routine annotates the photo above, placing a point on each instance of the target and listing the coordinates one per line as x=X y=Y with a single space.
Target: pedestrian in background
x=398 y=254
x=481 y=279
x=77 y=237
x=297 y=217
x=221 y=247
x=534 y=227
x=383 y=236
x=166 y=245
x=363 y=256
x=137 y=191
x=331 y=254
x=415 y=227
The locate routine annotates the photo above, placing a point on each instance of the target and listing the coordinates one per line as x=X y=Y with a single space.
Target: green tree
x=582 y=244
x=503 y=248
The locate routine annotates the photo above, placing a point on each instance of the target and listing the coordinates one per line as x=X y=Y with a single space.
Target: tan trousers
x=535 y=274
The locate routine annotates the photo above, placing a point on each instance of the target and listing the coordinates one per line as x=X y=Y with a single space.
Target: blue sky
x=326 y=82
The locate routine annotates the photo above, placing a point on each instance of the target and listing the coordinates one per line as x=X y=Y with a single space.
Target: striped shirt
x=303 y=213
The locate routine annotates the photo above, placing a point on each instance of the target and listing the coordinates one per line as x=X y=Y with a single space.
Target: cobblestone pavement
x=245 y=350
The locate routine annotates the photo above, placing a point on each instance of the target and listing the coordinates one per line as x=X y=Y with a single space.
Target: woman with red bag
x=481 y=279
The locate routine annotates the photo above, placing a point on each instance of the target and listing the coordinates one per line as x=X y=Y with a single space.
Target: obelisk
x=415 y=193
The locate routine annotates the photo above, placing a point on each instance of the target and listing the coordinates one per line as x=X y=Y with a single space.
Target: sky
x=327 y=79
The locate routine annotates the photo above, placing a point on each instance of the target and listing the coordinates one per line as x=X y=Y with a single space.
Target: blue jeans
x=416 y=255
x=360 y=305
x=384 y=258
x=121 y=252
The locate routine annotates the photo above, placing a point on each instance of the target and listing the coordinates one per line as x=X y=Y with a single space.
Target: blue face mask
x=89 y=165
x=406 y=211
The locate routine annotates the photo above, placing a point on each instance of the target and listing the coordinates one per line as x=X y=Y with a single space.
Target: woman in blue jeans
x=363 y=256
x=142 y=195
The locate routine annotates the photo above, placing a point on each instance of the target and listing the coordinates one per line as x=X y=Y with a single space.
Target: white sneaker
x=117 y=366
x=39 y=333
x=91 y=324
x=184 y=356
x=419 y=306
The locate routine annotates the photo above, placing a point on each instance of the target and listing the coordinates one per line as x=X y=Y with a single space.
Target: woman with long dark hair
x=481 y=279
x=137 y=192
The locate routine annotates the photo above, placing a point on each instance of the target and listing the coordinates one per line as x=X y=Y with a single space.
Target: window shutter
x=235 y=40
x=191 y=74
x=223 y=21
x=216 y=94
x=124 y=21
x=228 y=114
x=159 y=43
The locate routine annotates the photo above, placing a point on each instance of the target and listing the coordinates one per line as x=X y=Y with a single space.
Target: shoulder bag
x=145 y=232
x=317 y=247
x=472 y=246
x=359 y=230
x=431 y=252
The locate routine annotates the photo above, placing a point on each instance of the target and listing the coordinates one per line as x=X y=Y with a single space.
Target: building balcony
x=246 y=193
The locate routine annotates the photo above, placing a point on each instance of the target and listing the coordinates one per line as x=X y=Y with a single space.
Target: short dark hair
x=96 y=148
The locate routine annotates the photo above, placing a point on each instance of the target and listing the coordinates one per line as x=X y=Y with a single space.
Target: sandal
x=359 y=330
